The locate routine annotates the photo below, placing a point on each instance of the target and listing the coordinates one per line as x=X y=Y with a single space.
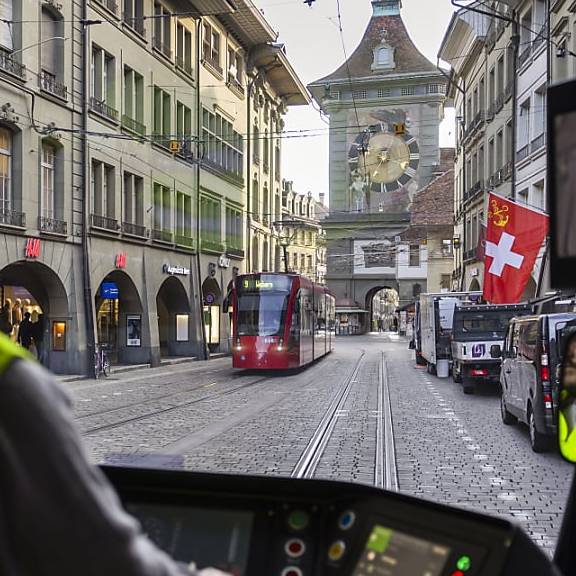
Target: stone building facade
x=123 y=136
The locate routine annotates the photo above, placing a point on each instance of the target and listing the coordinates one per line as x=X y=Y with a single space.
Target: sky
x=314 y=48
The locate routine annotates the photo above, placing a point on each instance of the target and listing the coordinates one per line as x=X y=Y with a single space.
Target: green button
x=464 y=563
x=298 y=520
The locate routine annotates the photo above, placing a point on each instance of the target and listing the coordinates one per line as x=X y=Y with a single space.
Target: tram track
x=116 y=409
x=179 y=406
x=310 y=457
x=385 y=470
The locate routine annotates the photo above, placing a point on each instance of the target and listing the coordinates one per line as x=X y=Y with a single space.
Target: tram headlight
x=238 y=344
x=280 y=345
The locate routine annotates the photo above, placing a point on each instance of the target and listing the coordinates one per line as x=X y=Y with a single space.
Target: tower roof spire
x=385 y=34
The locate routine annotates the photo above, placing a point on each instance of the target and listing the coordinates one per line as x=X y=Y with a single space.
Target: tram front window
x=262 y=314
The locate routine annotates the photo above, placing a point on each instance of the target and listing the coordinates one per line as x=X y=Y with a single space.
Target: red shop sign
x=121 y=260
x=32 y=248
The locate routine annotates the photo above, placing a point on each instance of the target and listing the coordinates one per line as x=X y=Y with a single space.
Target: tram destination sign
x=265 y=283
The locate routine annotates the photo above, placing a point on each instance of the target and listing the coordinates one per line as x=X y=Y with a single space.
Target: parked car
x=528 y=378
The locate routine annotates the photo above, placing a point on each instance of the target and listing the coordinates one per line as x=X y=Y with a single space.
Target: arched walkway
x=34 y=288
x=119 y=322
x=381 y=302
x=174 y=316
x=475 y=286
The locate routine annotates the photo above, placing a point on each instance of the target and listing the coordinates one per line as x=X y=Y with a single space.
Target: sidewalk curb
x=134 y=367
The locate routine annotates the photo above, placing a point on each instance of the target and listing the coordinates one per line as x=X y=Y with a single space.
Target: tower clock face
x=385 y=160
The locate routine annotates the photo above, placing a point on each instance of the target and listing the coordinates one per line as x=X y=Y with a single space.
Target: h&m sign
x=32 y=249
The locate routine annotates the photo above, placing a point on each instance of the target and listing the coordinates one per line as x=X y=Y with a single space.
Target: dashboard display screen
x=392 y=553
x=209 y=538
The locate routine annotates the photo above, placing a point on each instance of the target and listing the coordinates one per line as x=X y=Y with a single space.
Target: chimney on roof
x=386 y=7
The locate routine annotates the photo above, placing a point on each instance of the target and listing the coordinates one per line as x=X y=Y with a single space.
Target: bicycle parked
x=101 y=361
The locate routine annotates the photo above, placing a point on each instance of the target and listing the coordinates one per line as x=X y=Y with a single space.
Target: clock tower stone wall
x=385 y=107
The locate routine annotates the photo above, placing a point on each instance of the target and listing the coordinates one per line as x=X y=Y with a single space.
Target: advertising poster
x=133 y=330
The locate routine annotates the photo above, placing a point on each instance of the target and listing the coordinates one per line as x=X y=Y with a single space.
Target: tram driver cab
x=265 y=526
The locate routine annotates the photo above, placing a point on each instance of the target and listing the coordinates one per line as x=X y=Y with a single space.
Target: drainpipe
x=249 y=88
x=205 y=353
x=88 y=298
x=516 y=48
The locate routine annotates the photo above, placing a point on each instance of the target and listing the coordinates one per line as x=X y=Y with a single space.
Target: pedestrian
x=5 y=324
x=38 y=335
x=58 y=512
x=25 y=332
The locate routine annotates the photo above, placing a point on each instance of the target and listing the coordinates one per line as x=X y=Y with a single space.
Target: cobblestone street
x=438 y=444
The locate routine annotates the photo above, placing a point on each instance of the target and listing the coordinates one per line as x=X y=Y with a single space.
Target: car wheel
x=468 y=387
x=538 y=441
x=507 y=418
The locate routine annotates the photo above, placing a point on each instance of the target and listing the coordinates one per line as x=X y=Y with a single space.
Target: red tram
x=281 y=321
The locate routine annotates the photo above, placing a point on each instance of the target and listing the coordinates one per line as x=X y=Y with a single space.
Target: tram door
x=307 y=326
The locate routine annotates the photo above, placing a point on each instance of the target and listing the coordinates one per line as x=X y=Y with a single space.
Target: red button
x=291 y=572
x=295 y=548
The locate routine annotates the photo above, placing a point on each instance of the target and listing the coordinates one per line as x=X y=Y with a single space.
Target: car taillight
x=548 y=401
x=544 y=368
x=479 y=372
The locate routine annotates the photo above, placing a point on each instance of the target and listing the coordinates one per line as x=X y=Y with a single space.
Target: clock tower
x=385 y=106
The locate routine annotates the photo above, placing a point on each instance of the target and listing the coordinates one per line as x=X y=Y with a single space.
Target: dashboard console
x=255 y=526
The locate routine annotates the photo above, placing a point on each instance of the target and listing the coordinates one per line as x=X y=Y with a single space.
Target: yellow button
x=336 y=551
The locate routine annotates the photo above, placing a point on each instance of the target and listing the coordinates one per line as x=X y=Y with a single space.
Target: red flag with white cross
x=514 y=236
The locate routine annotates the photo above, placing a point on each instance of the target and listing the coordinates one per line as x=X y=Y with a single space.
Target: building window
x=539 y=112
x=234 y=229
x=48 y=180
x=407 y=91
x=255 y=200
x=162 y=212
x=134 y=15
x=6 y=28
x=103 y=190
x=256 y=145
x=162 y=29
x=266 y=204
x=447 y=248
x=266 y=148
x=183 y=123
x=162 y=117
x=524 y=127
x=359 y=95
x=384 y=92
x=523 y=196
x=210 y=223
x=52 y=52
x=539 y=199
x=183 y=218
x=134 y=202
x=500 y=150
x=414 y=255
x=133 y=118
x=183 y=48
x=5 y=172
x=277 y=167
x=224 y=147
x=103 y=83
x=211 y=47
x=235 y=68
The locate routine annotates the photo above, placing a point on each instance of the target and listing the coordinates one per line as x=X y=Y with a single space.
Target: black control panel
x=254 y=526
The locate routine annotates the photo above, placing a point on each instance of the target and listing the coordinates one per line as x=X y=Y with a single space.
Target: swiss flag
x=514 y=236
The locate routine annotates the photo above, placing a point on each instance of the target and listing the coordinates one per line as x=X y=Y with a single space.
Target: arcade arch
x=173 y=307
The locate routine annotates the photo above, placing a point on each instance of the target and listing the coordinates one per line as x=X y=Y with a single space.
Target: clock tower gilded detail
x=385 y=106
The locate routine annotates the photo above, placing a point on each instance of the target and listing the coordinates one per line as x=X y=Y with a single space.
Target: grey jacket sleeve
x=58 y=514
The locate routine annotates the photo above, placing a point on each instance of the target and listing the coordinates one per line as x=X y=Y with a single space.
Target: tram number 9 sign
x=265 y=283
